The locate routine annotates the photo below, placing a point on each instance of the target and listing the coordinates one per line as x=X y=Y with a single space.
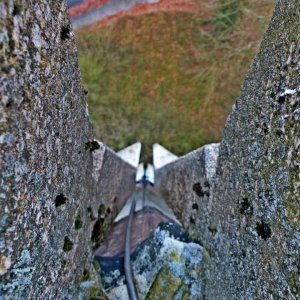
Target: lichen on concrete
x=247 y=217
x=48 y=178
x=166 y=266
x=60 y=188
x=251 y=225
x=256 y=199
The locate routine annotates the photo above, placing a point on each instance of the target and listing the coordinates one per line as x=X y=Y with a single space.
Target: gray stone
x=60 y=189
x=186 y=184
x=166 y=266
x=54 y=187
x=247 y=215
x=255 y=210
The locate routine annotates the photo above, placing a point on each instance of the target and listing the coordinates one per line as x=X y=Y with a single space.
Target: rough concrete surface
x=52 y=188
x=60 y=189
x=186 y=184
x=255 y=213
x=248 y=216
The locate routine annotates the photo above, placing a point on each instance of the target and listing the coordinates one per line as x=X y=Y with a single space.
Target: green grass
x=168 y=77
x=227 y=14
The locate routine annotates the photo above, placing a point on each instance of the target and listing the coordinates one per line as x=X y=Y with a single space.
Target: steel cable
x=127 y=263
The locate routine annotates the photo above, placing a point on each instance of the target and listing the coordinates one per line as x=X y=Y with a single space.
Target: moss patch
x=165 y=286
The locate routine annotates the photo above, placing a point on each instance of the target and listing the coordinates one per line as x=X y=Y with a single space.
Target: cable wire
x=127 y=263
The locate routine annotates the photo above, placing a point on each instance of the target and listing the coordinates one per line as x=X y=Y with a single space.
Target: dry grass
x=170 y=77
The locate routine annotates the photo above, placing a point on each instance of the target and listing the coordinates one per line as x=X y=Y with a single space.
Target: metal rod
x=127 y=264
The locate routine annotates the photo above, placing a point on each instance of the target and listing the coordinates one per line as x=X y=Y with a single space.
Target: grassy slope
x=169 y=77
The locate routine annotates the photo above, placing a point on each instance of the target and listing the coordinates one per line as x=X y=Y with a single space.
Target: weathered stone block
x=54 y=187
x=186 y=185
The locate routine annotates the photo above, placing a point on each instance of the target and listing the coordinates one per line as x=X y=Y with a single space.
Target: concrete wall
x=255 y=204
x=248 y=216
x=186 y=185
x=56 y=183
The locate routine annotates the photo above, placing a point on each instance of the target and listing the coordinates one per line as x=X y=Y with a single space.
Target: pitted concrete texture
x=255 y=213
x=244 y=206
x=54 y=177
x=186 y=184
x=60 y=189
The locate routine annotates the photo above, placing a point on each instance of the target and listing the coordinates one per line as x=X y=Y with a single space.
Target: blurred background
x=165 y=71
